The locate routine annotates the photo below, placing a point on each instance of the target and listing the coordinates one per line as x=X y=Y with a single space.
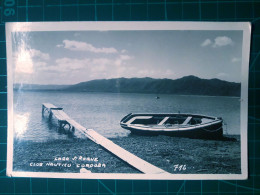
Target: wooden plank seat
x=187 y=120
x=164 y=120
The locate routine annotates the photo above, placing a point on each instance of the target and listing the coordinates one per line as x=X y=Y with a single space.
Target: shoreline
x=101 y=92
x=171 y=154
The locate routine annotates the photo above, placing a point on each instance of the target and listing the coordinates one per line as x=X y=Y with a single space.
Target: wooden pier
x=65 y=121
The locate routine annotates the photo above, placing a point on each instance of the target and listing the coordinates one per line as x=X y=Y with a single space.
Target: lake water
x=103 y=111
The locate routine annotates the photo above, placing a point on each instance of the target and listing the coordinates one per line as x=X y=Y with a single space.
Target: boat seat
x=164 y=120
x=138 y=117
x=187 y=120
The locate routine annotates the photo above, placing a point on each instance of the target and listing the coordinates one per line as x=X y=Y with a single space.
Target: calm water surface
x=103 y=111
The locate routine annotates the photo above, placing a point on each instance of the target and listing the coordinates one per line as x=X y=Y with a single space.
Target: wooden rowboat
x=176 y=124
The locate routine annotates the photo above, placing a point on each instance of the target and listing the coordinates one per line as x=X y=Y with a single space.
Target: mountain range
x=188 y=85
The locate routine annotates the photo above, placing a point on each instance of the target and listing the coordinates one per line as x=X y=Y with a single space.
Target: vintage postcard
x=128 y=100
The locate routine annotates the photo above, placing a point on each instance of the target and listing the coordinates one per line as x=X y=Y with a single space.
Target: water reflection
x=103 y=111
x=52 y=125
x=21 y=124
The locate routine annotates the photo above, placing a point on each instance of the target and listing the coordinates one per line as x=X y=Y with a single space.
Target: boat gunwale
x=178 y=127
x=185 y=114
x=146 y=128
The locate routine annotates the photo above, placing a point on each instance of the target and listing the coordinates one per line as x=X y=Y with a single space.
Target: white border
x=105 y=26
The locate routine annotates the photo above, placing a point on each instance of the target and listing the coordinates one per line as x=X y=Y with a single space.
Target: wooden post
x=50 y=115
x=42 y=110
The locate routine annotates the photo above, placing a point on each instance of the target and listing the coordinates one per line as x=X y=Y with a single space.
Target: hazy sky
x=73 y=57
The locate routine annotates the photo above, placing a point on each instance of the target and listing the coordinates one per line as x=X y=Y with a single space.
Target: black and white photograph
x=128 y=100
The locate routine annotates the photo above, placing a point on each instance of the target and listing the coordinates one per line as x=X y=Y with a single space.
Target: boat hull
x=212 y=130
x=199 y=133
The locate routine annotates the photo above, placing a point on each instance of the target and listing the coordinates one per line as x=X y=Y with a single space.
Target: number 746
x=179 y=167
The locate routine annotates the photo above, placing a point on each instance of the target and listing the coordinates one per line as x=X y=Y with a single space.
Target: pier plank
x=48 y=105
x=60 y=115
x=110 y=146
x=125 y=155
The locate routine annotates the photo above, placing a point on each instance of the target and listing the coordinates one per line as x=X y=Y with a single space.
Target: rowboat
x=174 y=124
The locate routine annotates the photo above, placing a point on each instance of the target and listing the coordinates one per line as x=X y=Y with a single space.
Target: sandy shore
x=198 y=156
x=173 y=154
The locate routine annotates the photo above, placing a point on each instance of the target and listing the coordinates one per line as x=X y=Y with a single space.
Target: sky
x=70 y=57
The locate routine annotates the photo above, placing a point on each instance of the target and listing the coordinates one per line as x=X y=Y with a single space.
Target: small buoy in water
x=83 y=170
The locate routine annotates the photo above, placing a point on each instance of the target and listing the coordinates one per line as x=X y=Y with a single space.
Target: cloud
x=234 y=60
x=222 y=75
x=88 y=65
x=222 y=41
x=40 y=63
x=67 y=65
x=125 y=57
x=72 y=64
x=83 y=46
x=153 y=73
x=218 y=42
x=101 y=61
x=121 y=59
x=26 y=59
x=206 y=43
x=39 y=54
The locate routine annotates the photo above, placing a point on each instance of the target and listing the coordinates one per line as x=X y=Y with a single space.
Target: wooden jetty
x=65 y=121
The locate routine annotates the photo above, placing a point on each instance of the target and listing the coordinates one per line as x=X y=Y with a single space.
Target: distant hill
x=188 y=85
x=35 y=87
